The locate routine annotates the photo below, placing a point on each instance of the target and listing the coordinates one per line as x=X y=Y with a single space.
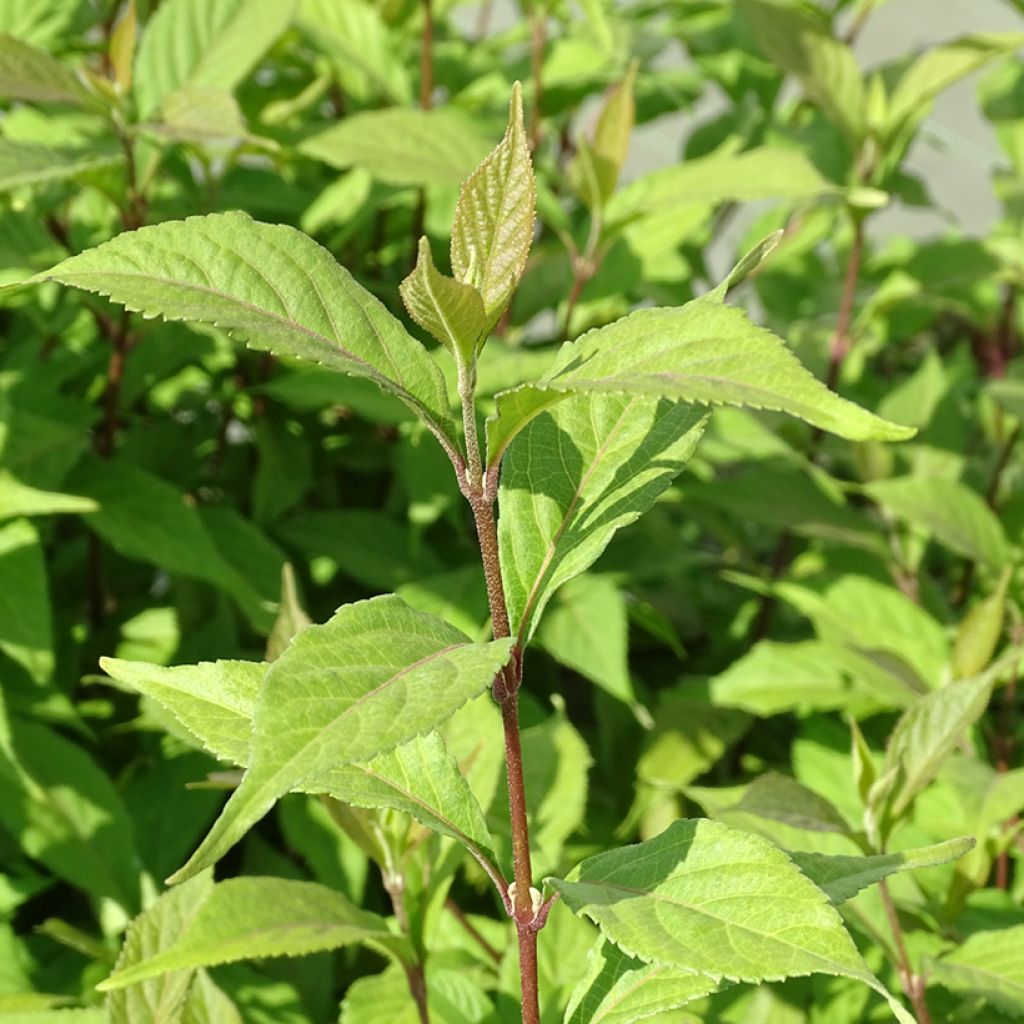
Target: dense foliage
x=665 y=674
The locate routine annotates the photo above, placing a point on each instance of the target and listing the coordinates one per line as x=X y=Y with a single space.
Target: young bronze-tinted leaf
x=493 y=226
x=842 y=877
x=451 y=311
x=949 y=510
x=702 y=352
x=27 y=73
x=618 y=989
x=29 y=163
x=156 y=929
x=373 y=677
x=800 y=42
x=576 y=475
x=402 y=145
x=248 y=918
x=989 y=964
x=706 y=898
x=272 y=285
x=197 y=43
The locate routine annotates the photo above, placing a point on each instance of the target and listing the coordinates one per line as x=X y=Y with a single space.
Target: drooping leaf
x=375 y=676
x=723 y=903
x=26 y=630
x=402 y=145
x=602 y=461
x=586 y=629
x=618 y=989
x=195 y=43
x=29 y=163
x=949 y=510
x=842 y=877
x=451 y=311
x=703 y=353
x=801 y=43
x=162 y=998
x=272 y=285
x=28 y=73
x=989 y=964
x=248 y=918
x=493 y=226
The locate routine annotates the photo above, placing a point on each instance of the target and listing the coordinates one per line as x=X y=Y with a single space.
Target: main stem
x=506 y=693
x=913 y=984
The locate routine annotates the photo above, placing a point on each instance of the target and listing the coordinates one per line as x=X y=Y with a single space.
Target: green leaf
x=800 y=42
x=27 y=73
x=766 y=172
x=208 y=1004
x=938 y=68
x=26 y=630
x=780 y=798
x=18 y=499
x=978 y=635
x=214 y=701
x=493 y=226
x=842 y=877
x=200 y=44
x=449 y=310
x=291 y=616
x=709 y=899
x=989 y=964
x=923 y=739
x=249 y=918
x=587 y=630
x=702 y=352
x=29 y=163
x=375 y=676
x=63 y=811
x=272 y=285
x=618 y=989
x=951 y=511
x=402 y=145
x=158 y=928
x=602 y=461
x=43 y=23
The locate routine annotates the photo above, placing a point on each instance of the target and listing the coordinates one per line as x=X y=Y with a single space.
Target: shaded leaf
x=28 y=73
x=989 y=964
x=30 y=163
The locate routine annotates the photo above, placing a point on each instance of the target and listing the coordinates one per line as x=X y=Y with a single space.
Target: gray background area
x=955 y=152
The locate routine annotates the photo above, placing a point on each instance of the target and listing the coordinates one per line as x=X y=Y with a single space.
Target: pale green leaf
x=989 y=964
x=978 y=634
x=938 y=68
x=706 y=898
x=249 y=918
x=800 y=42
x=841 y=877
x=214 y=701
x=26 y=630
x=748 y=263
x=574 y=476
x=366 y=57
x=30 y=163
x=28 y=73
x=121 y=49
x=291 y=616
x=202 y=44
x=402 y=145
x=493 y=226
x=455 y=995
x=272 y=285
x=780 y=798
x=618 y=989
x=703 y=353
x=954 y=514
x=200 y=114
x=43 y=23
x=55 y=1017
x=586 y=629
x=375 y=676
x=449 y=310
x=208 y=1004
x=763 y=173
x=159 y=1000
x=19 y=499
x=923 y=739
